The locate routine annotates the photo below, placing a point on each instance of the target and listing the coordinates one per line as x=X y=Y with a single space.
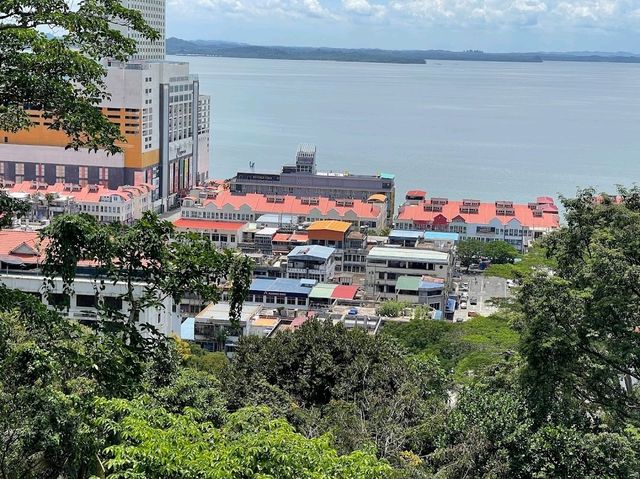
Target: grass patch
x=532 y=259
x=463 y=348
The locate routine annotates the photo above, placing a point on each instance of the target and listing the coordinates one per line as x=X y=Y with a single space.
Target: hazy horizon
x=489 y=25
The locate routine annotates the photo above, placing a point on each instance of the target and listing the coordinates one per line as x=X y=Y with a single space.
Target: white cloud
x=364 y=8
x=459 y=14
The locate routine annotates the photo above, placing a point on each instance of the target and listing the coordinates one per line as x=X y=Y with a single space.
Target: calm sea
x=457 y=129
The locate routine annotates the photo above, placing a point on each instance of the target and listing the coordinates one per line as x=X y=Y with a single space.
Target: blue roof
x=388 y=176
x=282 y=285
x=440 y=236
x=430 y=285
x=313 y=251
x=187 y=329
x=406 y=234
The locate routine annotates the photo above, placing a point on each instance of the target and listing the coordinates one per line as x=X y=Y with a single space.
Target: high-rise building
x=165 y=122
x=161 y=114
x=154 y=13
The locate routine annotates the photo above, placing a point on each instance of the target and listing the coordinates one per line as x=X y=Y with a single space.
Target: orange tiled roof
x=486 y=213
x=292 y=205
x=329 y=225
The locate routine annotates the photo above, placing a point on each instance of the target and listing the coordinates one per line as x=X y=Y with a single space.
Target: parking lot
x=483 y=289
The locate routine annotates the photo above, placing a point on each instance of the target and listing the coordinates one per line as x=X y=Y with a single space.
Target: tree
x=11 y=208
x=342 y=381
x=469 y=250
x=62 y=75
x=392 y=308
x=579 y=327
x=150 y=442
x=500 y=252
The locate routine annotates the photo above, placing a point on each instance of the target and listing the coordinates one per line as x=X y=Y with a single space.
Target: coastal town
x=331 y=246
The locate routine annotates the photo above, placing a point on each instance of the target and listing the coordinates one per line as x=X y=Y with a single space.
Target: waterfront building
x=286 y=211
x=304 y=181
x=124 y=204
x=517 y=224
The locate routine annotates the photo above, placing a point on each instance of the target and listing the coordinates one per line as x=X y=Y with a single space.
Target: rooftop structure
x=303 y=181
x=408 y=254
x=314 y=252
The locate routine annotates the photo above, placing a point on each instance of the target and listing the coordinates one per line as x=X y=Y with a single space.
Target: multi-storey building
x=311 y=262
x=223 y=205
x=387 y=264
x=518 y=224
x=302 y=180
x=163 y=118
x=124 y=204
x=154 y=13
x=20 y=259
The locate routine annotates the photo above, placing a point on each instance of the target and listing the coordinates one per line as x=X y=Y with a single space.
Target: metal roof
x=431 y=285
x=408 y=283
x=311 y=252
x=440 y=236
x=406 y=234
x=277 y=218
x=282 y=285
x=330 y=225
x=322 y=291
x=408 y=254
x=220 y=312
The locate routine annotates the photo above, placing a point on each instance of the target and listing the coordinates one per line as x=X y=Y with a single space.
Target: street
x=483 y=288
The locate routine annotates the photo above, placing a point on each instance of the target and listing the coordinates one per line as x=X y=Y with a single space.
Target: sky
x=489 y=25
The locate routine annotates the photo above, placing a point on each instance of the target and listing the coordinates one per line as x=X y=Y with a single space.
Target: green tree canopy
x=61 y=74
x=469 y=250
x=150 y=442
x=580 y=325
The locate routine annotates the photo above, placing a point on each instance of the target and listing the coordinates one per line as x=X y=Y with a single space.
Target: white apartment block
x=154 y=13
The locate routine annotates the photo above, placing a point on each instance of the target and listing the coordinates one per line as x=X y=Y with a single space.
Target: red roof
x=421 y=193
x=344 y=292
x=486 y=213
x=84 y=195
x=198 y=224
x=281 y=237
x=292 y=205
x=20 y=245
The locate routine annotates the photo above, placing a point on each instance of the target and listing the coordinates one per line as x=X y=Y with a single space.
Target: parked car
x=473 y=314
x=464 y=295
x=473 y=300
x=459 y=320
x=463 y=305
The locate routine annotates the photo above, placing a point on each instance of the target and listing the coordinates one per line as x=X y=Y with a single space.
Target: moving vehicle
x=473 y=300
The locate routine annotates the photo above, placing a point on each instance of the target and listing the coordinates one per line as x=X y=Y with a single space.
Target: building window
x=83 y=175
x=60 y=174
x=103 y=174
x=40 y=172
x=19 y=172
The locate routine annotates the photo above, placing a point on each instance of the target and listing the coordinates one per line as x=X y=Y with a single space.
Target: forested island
x=177 y=46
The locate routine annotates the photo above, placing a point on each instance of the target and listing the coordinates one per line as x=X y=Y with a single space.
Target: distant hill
x=177 y=46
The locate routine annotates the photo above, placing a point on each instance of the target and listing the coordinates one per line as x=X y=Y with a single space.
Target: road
x=484 y=288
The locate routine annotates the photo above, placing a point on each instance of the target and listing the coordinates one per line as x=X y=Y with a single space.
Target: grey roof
x=406 y=234
x=282 y=285
x=408 y=254
x=311 y=252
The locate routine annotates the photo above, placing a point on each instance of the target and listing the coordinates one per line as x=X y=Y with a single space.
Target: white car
x=463 y=305
x=464 y=295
